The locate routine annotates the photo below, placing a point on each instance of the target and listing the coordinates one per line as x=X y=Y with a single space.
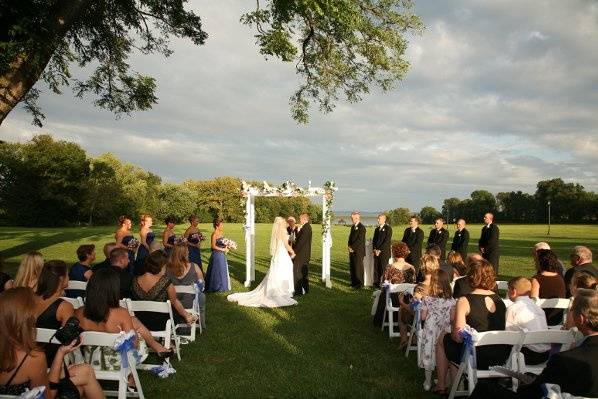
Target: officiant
x=292 y=229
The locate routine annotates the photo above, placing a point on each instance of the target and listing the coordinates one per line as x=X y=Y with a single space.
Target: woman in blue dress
x=124 y=239
x=217 y=279
x=168 y=237
x=146 y=237
x=193 y=236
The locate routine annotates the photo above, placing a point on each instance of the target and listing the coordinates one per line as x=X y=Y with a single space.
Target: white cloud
x=499 y=96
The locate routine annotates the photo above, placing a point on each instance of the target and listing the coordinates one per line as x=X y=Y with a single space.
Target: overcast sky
x=500 y=95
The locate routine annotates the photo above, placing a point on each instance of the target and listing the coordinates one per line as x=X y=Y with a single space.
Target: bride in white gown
x=276 y=289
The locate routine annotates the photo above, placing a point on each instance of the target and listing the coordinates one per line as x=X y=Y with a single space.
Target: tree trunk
x=27 y=67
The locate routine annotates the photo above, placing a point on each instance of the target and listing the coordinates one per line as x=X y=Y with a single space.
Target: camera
x=69 y=332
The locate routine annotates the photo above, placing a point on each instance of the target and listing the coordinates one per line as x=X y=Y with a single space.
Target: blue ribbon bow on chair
x=468 y=346
x=124 y=344
x=416 y=306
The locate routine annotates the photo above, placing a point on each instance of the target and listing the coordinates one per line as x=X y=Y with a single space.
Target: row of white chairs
x=101 y=339
x=515 y=361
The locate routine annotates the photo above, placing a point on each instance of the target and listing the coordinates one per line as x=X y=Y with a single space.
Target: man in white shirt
x=525 y=315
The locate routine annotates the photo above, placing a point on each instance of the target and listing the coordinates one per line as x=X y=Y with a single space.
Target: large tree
x=341 y=48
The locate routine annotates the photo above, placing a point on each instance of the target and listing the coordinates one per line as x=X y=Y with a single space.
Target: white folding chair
x=76 y=302
x=512 y=338
x=563 y=337
x=45 y=335
x=77 y=285
x=415 y=331
x=555 y=303
x=389 y=309
x=190 y=289
x=169 y=333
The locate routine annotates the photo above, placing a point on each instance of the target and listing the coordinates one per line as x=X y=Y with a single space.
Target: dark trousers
x=301 y=279
x=380 y=264
x=492 y=257
x=356 y=269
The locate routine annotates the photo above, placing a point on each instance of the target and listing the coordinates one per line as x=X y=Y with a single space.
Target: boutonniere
x=355 y=227
x=382 y=228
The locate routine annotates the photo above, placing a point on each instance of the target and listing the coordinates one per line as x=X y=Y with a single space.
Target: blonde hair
x=178 y=260
x=429 y=263
x=521 y=285
x=144 y=217
x=29 y=270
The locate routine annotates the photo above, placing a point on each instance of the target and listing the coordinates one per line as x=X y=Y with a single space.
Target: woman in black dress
x=483 y=310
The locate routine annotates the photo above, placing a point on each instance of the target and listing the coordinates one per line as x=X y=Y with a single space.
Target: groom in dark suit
x=381 y=246
x=356 y=246
x=302 y=248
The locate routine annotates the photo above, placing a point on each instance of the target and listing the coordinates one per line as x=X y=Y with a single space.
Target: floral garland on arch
x=292 y=189
x=329 y=189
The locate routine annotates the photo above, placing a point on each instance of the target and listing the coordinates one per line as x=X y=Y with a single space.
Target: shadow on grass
x=39 y=241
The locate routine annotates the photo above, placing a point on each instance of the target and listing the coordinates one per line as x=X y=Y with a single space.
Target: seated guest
x=581 y=261
x=548 y=283
x=544 y=245
x=428 y=266
x=581 y=280
x=482 y=310
x=50 y=309
x=525 y=315
x=29 y=270
x=398 y=272
x=181 y=271
x=154 y=285
x=458 y=266
x=23 y=366
x=102 y=311
x=437 y=311
x=81 y=271
x=462 y=285
x=6 y=281
x=575 y=371
x=119 y=262
x=108 y=247
x=436 y=251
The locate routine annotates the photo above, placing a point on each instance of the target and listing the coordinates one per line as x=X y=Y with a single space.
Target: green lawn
x=325 y=347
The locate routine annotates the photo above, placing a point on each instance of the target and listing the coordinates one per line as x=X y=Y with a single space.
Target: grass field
x=325 y=347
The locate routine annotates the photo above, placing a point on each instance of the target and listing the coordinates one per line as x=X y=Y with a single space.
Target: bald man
x=488 y=242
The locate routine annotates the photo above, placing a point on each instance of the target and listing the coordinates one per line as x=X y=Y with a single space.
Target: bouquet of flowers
x=197 y=236
x=229 y=244
x=180 y=241
x=133 y=244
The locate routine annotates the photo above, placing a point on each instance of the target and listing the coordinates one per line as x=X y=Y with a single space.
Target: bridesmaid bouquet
x=180 y=241
x=133 y=244
x=198 y=236
x=229 y=244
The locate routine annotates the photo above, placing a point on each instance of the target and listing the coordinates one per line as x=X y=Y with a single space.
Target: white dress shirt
x=525 y=315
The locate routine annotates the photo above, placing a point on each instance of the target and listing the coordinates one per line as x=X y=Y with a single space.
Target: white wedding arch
x=287 y=189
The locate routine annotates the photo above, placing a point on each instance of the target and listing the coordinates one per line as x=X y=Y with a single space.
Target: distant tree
x=44 y=181
x=176 y=200
x=566 y=200
x=428 y=214
x=450 y=209
x=340 y=48
x=398 y=216
x=517 y=207
x=102 y=194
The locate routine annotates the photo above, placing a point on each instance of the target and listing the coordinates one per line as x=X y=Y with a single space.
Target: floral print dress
x=438 y=321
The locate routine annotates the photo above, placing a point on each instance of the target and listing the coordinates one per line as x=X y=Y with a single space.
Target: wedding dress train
x=277 y=287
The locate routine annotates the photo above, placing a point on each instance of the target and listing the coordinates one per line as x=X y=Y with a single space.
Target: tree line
x=47 y=182
x=569 y=203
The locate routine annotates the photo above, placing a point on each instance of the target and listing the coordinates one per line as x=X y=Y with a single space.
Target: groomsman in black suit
x=302 y=248
x=381 y=245
x=488 y=242
x=461 y=239
x=439 y=236
x=356 y=246
x=414 y=238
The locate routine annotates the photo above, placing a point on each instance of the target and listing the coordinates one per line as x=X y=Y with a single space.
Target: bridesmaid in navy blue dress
x=123 y=238
x=168 y=237
x=217 y=279
x=193 y=242
x=146 y=237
